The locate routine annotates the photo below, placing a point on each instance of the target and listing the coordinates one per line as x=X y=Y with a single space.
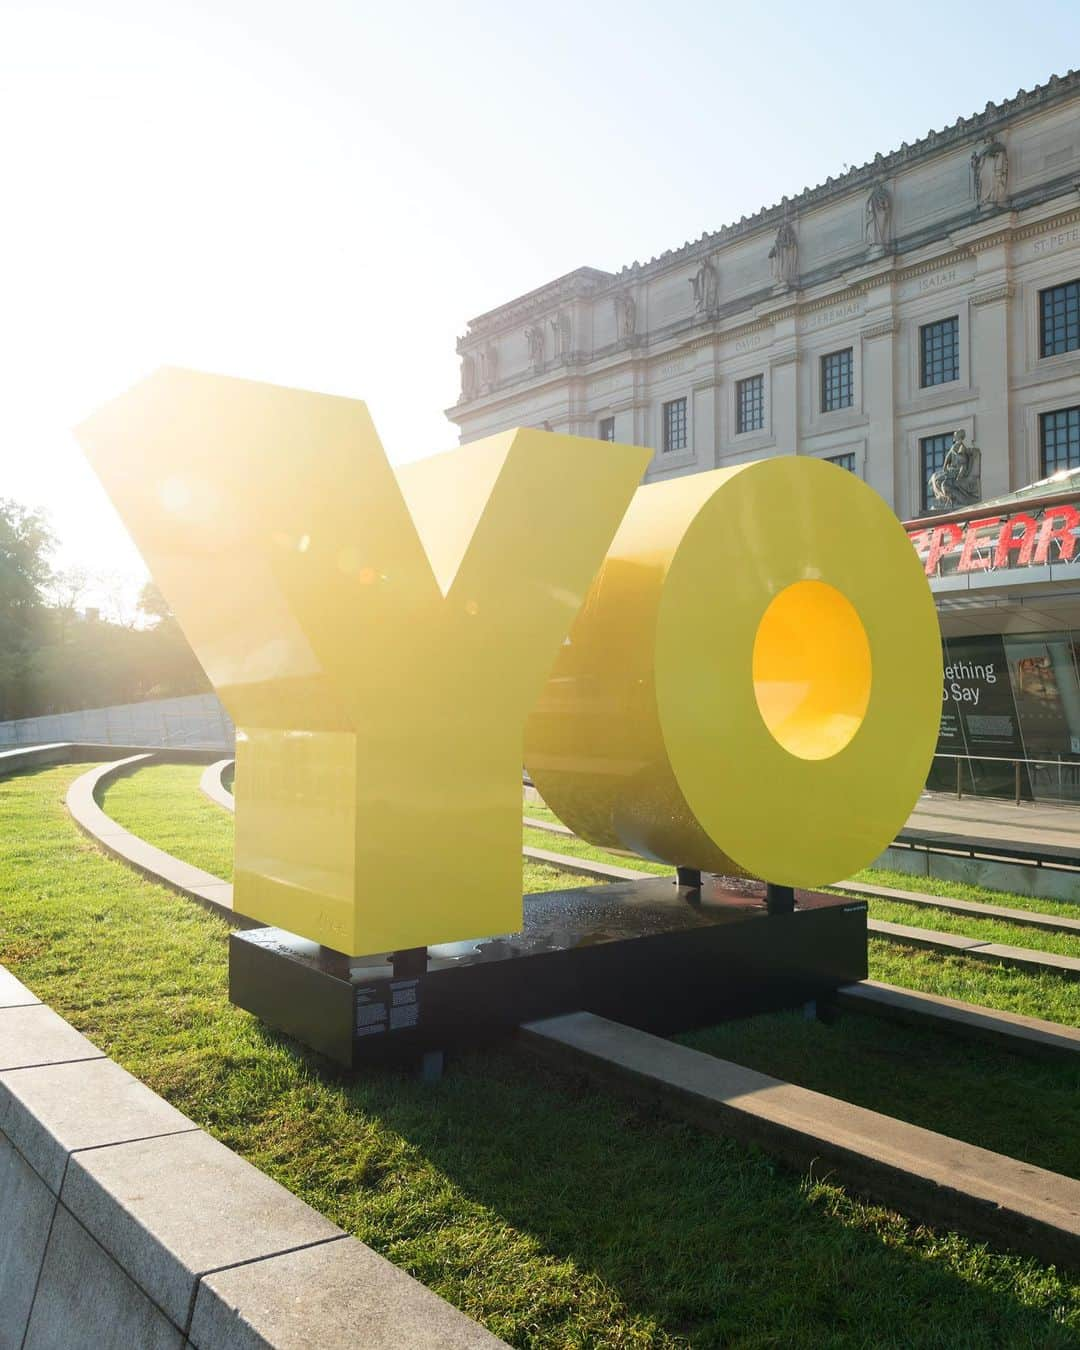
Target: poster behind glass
x=979 y=719
x=1046 y=691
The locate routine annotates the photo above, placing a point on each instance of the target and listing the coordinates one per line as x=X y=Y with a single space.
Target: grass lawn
x=574 y=847
x=961 y=890
x=163 y=805
x=993 y=986
x=988 y=930
x=557 y=1215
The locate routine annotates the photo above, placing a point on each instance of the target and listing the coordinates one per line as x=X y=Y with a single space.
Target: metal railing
x=1063 y=766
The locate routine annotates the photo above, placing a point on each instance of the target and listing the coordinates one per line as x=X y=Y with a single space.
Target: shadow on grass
x=983 y=1094
x=707 y=1241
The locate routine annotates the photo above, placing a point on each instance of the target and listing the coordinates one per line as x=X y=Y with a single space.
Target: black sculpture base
x=657 y=956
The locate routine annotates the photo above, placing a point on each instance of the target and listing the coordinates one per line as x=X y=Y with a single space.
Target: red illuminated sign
x=991 y=543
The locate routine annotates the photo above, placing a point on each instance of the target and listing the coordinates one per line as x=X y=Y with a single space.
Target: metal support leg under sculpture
x=409 y=963
x=779 y=899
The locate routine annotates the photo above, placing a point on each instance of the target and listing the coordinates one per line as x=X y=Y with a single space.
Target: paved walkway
x=1033 y=823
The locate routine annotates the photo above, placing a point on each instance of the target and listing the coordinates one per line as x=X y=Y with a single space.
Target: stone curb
x=932 y=1178
x=583 y=868
x=1030 y=918
x=78 y=752
x=532 y=823
x=55 y=752
x=122 y=1222
x=152 y=862
x=1030 y=1036
x=999 y=953
x=13 y=993
x=211 y=786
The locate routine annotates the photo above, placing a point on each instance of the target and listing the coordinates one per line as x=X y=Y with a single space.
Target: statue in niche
x=705 y=285
x=784 y=256
x=879 y=217
x=561 y=334
x=625 y=315
x=958 y=483
x=990 y=174
x=534 y=336
x=489 y=365
x=468 y=376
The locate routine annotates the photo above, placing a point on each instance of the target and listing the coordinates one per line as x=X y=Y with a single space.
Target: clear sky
x=322 y=194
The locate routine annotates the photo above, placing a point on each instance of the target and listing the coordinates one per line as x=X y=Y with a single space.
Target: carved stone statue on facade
x=468 y=376
x=958 y=483
x=534 y=336
x=990 y=174
x=784 y=256
x=489 y=365
x=879 y=217
x=625 y=315
x=561 y=334
x=705 y=285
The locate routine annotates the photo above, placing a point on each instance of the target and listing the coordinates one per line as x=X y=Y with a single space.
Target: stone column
x=990 y=375
x=707 y=405
x=885 y=469
x=784 y=383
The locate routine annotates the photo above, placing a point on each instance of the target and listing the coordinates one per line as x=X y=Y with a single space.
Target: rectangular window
x=836 y=381
x=843 y=461
x=939 y=344
x=750 y=404
x=932 y=452
x=674 y=425
x=1059 y=436
x=606 y=429
x=1059 y=319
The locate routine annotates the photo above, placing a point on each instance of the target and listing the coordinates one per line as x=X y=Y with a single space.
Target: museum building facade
x=926 y=301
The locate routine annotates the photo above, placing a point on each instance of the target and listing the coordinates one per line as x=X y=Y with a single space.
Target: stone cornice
x=659 y=346
x=949 y=258
x=589 y=281
x=991 y=294
x=993 y=118
x=884 y=329
x=573 y=286
x=1057 y=222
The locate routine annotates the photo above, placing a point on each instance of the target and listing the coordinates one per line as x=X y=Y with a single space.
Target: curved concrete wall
x=152 y=862
x=213 y=787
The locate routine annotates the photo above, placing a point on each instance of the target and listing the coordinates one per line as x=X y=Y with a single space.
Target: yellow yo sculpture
x=377 y=642
x=753 y=684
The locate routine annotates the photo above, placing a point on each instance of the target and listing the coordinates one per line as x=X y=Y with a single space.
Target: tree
x=153 y=604
x=57 y=657
x=25 y=545
x=169 y=663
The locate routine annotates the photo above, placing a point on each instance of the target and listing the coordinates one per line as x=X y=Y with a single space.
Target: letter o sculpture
x=753 y=685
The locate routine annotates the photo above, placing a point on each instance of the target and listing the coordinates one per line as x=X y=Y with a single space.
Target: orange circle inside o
x=812 y=670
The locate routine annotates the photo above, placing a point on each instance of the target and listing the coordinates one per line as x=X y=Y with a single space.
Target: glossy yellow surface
x=754 y=682
x=378 y=644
